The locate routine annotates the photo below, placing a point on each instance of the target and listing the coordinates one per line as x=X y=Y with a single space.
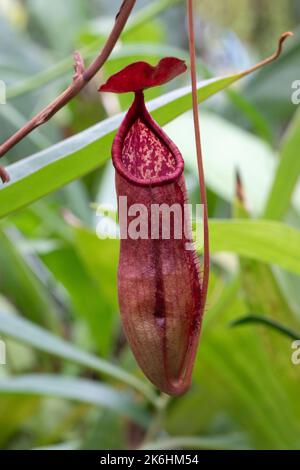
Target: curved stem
x=81 y=78
x=206 y=256
x=272 y=57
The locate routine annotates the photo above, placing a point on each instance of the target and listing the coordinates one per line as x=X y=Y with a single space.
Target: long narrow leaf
x=287 y=174
x=263 y=240
x=268 y=322
x=85 y=391
x=22 y=330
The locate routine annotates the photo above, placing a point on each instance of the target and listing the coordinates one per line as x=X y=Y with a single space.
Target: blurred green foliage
x=254 y=21
x=70 y=380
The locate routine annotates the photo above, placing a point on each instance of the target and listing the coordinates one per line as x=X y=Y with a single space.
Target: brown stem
x=239 y=189
x=4 y=175
x=261 y=64
x=272 y=57
x=81 y=78
x=199 y=149
x=191 y=354
x=78 y=66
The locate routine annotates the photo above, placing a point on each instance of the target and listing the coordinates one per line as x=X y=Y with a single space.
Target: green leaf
x=13 y=413
x=32 y=335
x=262 y=240
x=226 y=442
x=57 y=19
x=287 y=173
x=85 y=391
x=256 y=119
x=270 y=88
x=100 y=259
x=155 y=8
x=69 y=270
x=106 y=432
x=47 y=171
x=268 y=322
x=260 y=287
x=24 y=286
x=252 y=157
x=17 y=120
x=258 y=386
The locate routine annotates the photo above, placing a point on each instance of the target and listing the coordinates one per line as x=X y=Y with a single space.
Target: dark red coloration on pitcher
x=159 y=282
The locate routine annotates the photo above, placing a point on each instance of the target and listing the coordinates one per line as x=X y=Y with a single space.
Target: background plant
x=70 y=380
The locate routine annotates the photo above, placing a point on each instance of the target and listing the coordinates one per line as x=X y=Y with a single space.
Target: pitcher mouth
x=165 y=167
